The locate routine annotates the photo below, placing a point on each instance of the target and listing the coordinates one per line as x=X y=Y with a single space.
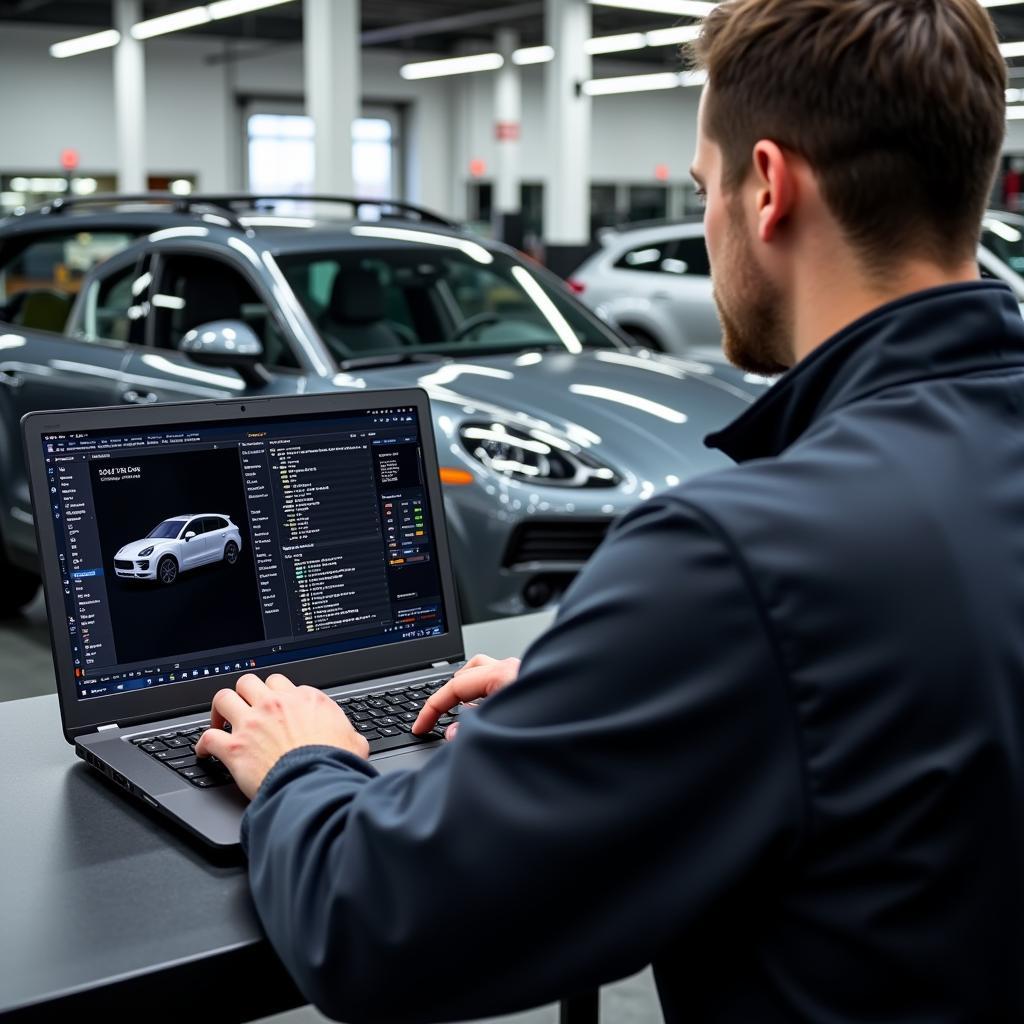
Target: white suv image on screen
x=177 y=545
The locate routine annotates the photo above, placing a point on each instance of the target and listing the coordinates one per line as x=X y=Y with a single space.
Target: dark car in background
x=548 y=423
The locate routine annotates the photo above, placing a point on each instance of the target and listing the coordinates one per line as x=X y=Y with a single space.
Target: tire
x=19 y=588
x=643 y=338
x=167 y=571
x=231 y=552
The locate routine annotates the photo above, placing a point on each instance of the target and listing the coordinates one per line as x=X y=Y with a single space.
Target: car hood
x=642 y=413
x=132 y=550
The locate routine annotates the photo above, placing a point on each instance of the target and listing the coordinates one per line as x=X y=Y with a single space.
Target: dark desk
x=103 y=905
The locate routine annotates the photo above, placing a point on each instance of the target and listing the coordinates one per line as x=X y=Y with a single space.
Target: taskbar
x=124 y=682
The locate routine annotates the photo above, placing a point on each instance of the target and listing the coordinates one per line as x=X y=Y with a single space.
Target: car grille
x=120 y=563
x=562 y=541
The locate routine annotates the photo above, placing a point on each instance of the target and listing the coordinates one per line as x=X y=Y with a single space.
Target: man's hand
x=269 y=719
x=479 y=677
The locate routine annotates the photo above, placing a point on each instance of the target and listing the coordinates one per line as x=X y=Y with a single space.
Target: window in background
x=282 y=158
x=648 y=202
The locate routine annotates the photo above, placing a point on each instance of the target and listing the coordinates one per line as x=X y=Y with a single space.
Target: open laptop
x=185 y=545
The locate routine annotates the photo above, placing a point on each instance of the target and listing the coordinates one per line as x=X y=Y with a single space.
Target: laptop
x=185 y=545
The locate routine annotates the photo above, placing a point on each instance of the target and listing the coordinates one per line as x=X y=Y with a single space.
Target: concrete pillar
x=508 y=116
x=567 y=195
x=331 y=53
x=130 y=99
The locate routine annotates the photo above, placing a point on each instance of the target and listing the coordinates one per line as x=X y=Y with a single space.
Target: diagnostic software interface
x=186 y=552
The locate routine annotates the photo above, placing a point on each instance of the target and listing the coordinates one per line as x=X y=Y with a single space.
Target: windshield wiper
x=390 y=359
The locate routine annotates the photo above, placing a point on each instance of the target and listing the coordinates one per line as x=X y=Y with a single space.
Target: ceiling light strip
x=86 y=44
x=452 y=66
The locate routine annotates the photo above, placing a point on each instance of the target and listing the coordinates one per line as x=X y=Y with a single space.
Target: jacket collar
x=942 y=332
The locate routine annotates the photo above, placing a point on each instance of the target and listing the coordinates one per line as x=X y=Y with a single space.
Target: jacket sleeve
x=643 y=764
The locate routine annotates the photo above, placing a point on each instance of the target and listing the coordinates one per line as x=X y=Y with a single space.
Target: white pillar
x=331 y=51
x=567 y=196
x=130 y=99
x=508 y=116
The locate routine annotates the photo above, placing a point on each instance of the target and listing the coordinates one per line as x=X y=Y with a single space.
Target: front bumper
x=135 y=569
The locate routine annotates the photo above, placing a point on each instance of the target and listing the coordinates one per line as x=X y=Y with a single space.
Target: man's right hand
x=479 y=677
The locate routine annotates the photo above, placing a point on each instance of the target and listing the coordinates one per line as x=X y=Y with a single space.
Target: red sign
x=507 y=131
x=477 y=168
x=69 y=159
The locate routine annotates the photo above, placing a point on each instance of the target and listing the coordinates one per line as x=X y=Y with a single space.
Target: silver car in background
x=654 y=284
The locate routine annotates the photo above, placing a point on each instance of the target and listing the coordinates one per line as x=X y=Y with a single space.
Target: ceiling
x=421 y=26
x=431 y=26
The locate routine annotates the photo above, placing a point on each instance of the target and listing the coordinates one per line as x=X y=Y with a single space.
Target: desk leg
x=579 y=1009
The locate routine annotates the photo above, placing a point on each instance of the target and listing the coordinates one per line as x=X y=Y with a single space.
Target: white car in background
x=177 y=545
x=653 y=283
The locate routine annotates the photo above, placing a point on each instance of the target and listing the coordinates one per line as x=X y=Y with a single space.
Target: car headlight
x=534 y=456
x=146 y=551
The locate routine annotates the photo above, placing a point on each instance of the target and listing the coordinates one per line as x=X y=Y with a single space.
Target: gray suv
x=548 y=424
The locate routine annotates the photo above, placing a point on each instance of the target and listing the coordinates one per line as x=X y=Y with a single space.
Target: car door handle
x=10 y=379
x=662 y=297
x=133 y=397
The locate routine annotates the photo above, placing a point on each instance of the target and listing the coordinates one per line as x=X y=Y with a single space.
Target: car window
x=41 y=275
x=168 y=529
x=114 y=306
x=453 y=297
x=1006 y=241
x=195 y=526
x=647 y=257
x=195 y=290
x=212 y=523
x=690 y=257
x=679 y=256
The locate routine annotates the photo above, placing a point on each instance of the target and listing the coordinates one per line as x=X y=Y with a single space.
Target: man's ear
x=776 y=188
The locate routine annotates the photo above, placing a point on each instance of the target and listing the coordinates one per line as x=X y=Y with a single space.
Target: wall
x=195 y=125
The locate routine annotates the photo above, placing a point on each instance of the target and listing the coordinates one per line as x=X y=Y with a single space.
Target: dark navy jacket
x=773 y=744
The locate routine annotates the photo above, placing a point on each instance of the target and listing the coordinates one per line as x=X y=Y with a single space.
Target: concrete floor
x=26 y=670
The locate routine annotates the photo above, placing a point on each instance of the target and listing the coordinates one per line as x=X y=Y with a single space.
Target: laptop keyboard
x=384 y=718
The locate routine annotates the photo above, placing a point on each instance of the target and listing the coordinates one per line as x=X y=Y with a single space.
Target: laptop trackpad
x=403 y=760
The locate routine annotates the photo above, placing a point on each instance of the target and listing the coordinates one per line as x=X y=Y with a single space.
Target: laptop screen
x=189 y=552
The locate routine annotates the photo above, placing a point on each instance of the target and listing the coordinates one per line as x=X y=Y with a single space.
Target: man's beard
x=755 y=335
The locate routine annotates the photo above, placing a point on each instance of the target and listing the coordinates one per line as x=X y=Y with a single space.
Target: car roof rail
x=255 y=200
x=227 y=205
x=179 y=204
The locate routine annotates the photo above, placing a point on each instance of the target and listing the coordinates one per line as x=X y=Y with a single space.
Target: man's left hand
x=268 y=720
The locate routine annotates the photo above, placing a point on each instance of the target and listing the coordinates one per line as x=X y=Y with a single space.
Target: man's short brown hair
x=899 y=106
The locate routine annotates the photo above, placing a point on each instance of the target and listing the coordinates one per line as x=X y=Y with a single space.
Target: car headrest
x=357 y=297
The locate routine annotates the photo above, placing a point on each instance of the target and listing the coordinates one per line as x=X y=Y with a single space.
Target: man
x=774 y=743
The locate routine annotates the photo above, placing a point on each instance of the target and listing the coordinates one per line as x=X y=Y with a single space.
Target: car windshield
x=448 y=297
x=1006 y=241
x=168 y=528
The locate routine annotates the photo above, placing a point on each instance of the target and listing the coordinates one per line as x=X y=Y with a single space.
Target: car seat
x=356 y=314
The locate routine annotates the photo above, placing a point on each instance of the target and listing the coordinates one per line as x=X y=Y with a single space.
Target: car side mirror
x=229 y=343
x=190 y=535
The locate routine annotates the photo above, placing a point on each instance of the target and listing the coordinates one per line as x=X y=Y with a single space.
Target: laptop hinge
x=113 y=725
x=440 y=664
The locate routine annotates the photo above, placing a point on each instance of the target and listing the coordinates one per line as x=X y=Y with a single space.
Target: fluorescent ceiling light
x=998 y=3
x=673 y=36
x=692 y=78
x=685 y=8
x=533 y=55
x=230 y=8
x=86 y=44
x=631 y=83
x=616 y=44
x=174 y=22
x=1005 y=231
x=1012 y=49
x=1015 y=113
x=452 y=66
